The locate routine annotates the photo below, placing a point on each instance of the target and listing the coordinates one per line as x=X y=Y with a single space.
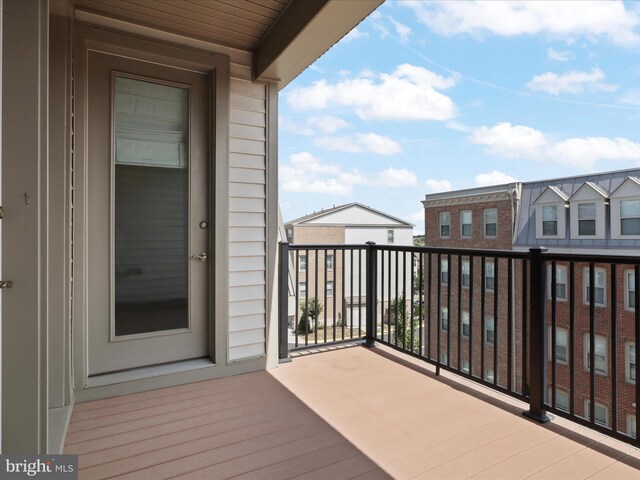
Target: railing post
x=537 y=323
x=372 y=291
x=283 y=307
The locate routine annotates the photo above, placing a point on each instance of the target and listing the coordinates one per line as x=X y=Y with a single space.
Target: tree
x=311 y=310
x=402 y=323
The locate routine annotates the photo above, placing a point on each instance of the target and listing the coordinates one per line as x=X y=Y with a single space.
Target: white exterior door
x=148 y=220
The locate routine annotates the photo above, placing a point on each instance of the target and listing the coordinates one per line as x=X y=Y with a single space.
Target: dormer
x=550 y=213
x=587 y=211
x=625 y=210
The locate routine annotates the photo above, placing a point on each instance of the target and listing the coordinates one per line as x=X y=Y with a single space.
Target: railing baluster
x=614 y=341
x=496 y=323
x=428 y=310
x=283 y=352
x=553 y=332
x=592 y=343
x=371 y=272
x=449 y=309
x=344 y=292
x=470 y=343
x=389 y=299
x=296 y=288
x=334 y=267
x=509 y=324
x=412 y=289
x=483 y=288
x=525 y=335
x=316 y=314
x=351 y=297
x=439 y=314
x=324 y=257
x=421 y=300
x=572 y=329
x=397 y=302
x=404 y=300
x=636 y=288
x=359 y=292
x=459 y=306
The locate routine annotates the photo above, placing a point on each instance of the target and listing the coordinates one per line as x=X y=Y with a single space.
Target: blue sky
x=433 y=96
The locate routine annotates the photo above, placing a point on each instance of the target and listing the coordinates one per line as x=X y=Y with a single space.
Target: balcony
x=347 y=412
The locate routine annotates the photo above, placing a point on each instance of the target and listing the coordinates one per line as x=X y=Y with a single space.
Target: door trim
x=217 y=66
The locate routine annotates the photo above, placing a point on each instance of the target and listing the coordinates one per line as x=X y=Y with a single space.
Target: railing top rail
x=585 y=258
x=465 y=252
x=326 y=246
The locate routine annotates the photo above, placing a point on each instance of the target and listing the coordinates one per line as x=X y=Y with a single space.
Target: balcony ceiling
x=285 y=36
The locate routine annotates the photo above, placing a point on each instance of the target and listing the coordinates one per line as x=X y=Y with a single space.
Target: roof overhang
x=304 y=31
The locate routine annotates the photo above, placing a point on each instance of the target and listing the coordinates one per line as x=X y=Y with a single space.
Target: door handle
x=202 y=257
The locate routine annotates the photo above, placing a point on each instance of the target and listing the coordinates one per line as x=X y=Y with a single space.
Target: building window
x=630 y=362
x=302 y=263
x=561 y=282
x=465 y=323
x=445 y=224
x=444 y=271
x=329 y=262
x=444 y=319
x=289 y=234
x=466 y=277
x=489 y=276
x=490 y=222
x=631 y=425
x=630 y=290
x=599 y=287
x=489 y=329
x=562 y=344
x=444 y=358
x=550 y=221
x=302 y=290
x=601 y=413
x=600 y=354
x=390 y=234
x=562 y=400
x=465 y=223
x=630 y=217
x=586 y=219
x=489 y=374
x=465 y=366
x=329 y=285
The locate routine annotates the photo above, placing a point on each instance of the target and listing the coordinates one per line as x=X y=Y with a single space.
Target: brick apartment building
x=593 y=214
x=482 y=219
x=336 y=277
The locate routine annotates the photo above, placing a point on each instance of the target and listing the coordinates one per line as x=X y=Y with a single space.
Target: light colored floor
x=347 y=413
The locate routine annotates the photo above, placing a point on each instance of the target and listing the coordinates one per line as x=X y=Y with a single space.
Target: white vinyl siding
x=247 y=219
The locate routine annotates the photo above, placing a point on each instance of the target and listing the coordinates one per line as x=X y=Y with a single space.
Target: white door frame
x=217 y=67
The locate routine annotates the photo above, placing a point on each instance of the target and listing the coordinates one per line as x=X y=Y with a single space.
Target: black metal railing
x=556 y=331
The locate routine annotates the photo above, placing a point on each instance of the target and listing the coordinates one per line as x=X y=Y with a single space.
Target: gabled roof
x=557 y=191
x=593 y=186
x=333 y=210
x=634 y=180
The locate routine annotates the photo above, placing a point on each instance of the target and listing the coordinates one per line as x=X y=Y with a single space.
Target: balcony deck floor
x=346 y=413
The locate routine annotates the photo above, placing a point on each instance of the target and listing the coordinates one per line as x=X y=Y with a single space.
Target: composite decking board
x=311 y=419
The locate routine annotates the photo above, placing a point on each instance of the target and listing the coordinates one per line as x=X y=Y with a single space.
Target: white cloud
x=416 y=216
x=493 y=178
x=570 y=82
x=586 y=152
x=593 y=20
x=630 y=97
x=511 y=141
x=437 y=186
x=360 y=143
x=327 y=123
x=409 y=93
x=459 y=127
x=354 y=34
x=403 y=31
x=306 y=173
x=558 y=56
x=519 y=141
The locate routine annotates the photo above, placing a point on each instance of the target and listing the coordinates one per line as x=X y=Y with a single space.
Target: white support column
x=24 y=243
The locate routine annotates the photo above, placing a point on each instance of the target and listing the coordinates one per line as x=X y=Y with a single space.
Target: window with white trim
x=444 y=319
x=561 y=282
x=600 y=354
x=562 y=344
x=329 y=286
x=329 y=262
x=599 y=296
x=445 y=224
x=630 y=362
x=444 y=358
x=302 y=263
x=491 y=222
x=466 y=226
x=465 y=366
x=630 y=217
x=466 y=276
x=601 y=413
x=586 y=219
x=630 y=290
x=302 y=290
x=489 y=276
x=465 y=324
x=562 y=399
x=550 y=221
x=489 y=329
x=489 y=374
x=390 y=236
x=444 y=271
x=631 y=425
